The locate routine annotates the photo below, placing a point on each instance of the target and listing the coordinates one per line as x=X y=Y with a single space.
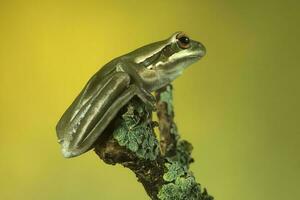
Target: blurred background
x=239 y=106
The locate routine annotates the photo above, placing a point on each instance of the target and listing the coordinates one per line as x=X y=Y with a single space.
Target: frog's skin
x=139 y=72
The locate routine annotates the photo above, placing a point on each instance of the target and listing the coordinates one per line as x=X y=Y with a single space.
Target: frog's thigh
x=74 y=112
x=111 y=113
x=94 y=111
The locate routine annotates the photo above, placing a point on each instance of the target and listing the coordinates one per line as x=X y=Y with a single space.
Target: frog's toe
x=66 y=151
x=147 y=98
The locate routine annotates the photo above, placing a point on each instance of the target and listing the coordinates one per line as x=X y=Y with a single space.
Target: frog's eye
x=183 y=41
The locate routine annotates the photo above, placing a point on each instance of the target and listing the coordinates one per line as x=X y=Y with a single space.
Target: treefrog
x=137 y=73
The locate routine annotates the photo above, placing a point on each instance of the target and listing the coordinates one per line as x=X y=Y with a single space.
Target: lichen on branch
x=136 y=133
x=162 y=166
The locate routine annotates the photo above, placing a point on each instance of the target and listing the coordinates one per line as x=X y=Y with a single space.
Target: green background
x=239 y=106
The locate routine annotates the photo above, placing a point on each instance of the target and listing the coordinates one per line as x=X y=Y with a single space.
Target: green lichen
x=184 y=188
x=174 y=131
x=183 y=150
x=135 y=132
x=173 y=171
x=180 y=185
x=183 y=153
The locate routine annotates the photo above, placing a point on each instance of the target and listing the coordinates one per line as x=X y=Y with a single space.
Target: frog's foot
x=147 y=98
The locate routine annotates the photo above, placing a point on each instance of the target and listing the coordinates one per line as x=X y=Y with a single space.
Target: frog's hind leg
x=80 y=104
x=111 y=112
x=88 y=124
x=100 y=110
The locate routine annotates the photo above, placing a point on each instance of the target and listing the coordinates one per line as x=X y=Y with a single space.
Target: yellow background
x=239 y=106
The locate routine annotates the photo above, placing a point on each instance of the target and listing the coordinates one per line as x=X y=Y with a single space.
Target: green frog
x=137 y=73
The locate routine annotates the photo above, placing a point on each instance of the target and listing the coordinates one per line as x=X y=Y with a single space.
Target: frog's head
x=168 y=58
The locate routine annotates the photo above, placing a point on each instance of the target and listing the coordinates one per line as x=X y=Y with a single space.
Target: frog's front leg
x=136 y=78
x=83 y=130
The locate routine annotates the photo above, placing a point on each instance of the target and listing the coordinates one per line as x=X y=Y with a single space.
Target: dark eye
x=183 y=41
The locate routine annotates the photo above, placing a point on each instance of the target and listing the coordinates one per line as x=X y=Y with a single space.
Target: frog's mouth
x=198 y=51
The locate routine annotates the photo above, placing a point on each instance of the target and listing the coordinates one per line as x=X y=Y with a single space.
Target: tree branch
x=162 y=167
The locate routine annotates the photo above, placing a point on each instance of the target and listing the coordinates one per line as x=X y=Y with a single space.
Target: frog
x=136 y=74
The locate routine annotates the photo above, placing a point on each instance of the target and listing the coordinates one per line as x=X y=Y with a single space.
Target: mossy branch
x=161 y=166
